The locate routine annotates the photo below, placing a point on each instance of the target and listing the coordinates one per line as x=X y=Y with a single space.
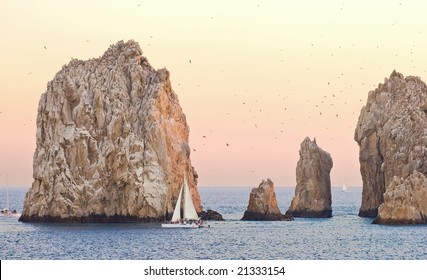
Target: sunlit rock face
x=313 y=190
x=112 y=143
x=392 y=137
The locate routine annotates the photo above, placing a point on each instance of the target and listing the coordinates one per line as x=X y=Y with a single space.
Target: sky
x=263 y=74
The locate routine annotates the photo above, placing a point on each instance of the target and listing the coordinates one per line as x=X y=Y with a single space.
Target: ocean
x=345 y=236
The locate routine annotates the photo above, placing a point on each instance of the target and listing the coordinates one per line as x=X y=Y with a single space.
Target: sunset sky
x=263 y=74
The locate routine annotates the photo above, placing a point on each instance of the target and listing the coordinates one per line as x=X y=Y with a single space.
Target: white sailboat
x=344 y=188
x=6 y=212
x=189 y=218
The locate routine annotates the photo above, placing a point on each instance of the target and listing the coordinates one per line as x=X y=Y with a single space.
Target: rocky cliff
x=313 y=190
x=112 y=143
x=392 y=137
x=263 y=204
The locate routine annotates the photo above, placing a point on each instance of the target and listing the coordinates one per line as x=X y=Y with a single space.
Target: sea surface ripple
x=345 y=236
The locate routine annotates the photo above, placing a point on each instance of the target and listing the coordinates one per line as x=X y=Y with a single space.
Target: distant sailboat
x=5 y=212
x=189 y=218
x=344 y=188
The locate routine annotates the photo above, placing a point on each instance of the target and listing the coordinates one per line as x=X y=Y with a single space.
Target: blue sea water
x=344 y=236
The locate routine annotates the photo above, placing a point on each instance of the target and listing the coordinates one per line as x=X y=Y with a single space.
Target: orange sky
x=263 y=74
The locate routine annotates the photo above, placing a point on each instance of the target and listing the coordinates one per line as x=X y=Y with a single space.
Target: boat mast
x=7 y=191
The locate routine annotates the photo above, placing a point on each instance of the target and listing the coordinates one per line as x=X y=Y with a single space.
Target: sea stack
x=313 y=190
x=112 y=143
x=263 y=204
x=392 y=137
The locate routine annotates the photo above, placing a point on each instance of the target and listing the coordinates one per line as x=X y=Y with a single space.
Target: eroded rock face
x=112 y=143
x=313 y=190
x=263 y=204
x=404 y=201
x=392 y=137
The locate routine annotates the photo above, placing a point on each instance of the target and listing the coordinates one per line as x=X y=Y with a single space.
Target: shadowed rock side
x=263 y=204
x=211 y=215
x=112 y=143
x=392 y=137
x=313 y=190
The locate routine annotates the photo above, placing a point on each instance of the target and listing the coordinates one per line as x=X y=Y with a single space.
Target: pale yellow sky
x=263 y=74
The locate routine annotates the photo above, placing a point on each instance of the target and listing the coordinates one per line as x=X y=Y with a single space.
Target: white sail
x=189 y=210
x=177 y=212
x=190 y=218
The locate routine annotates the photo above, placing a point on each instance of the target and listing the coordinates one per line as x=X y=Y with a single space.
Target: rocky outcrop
x=392 y=137
x=263 y=204
x=404 y=201
x=313 y=190
x=211 y=215
x=112 y=143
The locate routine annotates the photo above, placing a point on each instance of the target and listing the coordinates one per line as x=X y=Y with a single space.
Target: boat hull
x=181 y=226
x=12 y=215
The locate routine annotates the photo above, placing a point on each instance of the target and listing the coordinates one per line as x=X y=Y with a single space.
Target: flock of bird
x=254 y=109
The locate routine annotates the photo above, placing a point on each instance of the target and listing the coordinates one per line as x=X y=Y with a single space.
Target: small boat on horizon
x=6 y=212
x=184 y=204
x=344 y=188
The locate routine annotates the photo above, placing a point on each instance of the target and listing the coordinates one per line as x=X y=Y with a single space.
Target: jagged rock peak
x=313 y=190
x=391 y=134
x=130 y=48
x=263 y=204
x=116 y=53
x=112 y=143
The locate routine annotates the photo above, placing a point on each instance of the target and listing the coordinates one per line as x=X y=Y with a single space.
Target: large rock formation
x=112 y=143
x=313 y=190
x=263 y=204
x=392 y=136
